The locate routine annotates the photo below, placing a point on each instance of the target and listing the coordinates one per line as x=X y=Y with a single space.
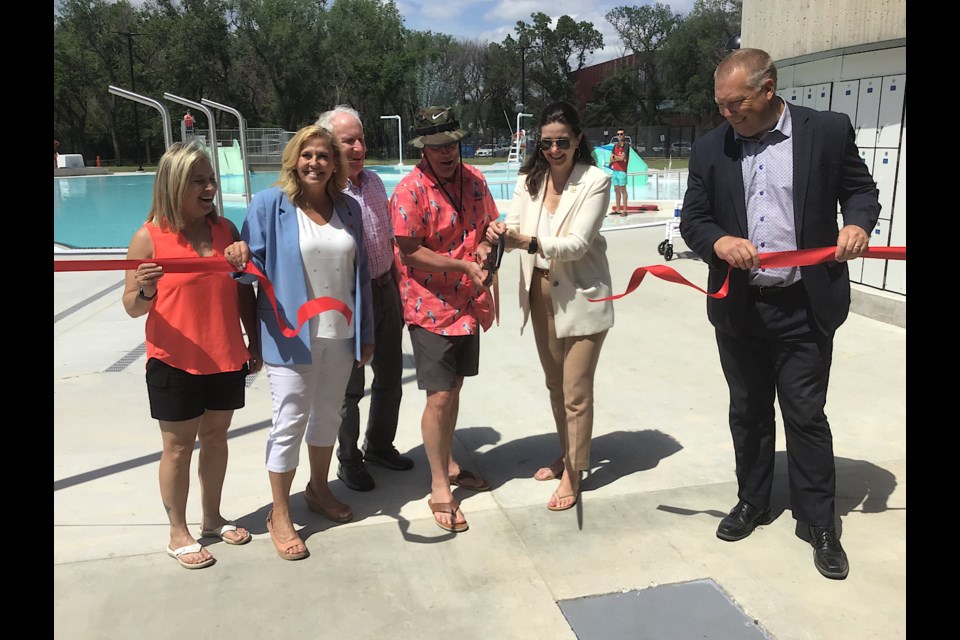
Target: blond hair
x=289 y=180
x=173 y=176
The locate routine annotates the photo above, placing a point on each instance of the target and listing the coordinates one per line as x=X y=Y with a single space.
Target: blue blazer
x=828 y=175
x=271 y=230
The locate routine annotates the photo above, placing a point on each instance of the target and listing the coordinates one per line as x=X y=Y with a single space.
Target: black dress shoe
x=741 y=522
x=391 y=459
x=355 y=475
x=828 y=556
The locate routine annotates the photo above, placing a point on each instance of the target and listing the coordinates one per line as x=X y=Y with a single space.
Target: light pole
x=133 y=88
x=524 y=45
x=399 y=135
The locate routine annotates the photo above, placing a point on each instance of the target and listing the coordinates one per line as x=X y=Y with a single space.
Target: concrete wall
x=791 y=28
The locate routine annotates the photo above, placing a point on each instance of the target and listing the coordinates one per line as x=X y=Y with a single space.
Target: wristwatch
x=532 y=247
x=144 y=296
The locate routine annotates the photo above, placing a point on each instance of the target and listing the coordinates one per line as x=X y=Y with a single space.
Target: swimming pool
x=104 y=211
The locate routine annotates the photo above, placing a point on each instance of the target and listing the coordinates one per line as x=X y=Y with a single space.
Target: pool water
x=104 y=211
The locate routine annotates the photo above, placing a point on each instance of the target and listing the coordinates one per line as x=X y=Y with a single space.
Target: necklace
x=456 y=205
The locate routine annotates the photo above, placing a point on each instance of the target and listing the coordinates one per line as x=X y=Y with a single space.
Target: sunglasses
x=562 y=143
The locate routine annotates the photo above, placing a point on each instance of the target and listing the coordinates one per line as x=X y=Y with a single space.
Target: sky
x=492 y=20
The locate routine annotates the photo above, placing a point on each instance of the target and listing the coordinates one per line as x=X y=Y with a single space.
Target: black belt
x=382 y=280
x=762 y=292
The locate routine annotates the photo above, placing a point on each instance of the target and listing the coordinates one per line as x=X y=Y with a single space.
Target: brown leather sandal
x=448 y=507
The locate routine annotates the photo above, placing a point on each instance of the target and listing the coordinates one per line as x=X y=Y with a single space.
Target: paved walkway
x=663 y=477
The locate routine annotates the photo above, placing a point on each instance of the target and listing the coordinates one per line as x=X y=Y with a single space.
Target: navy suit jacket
x=827 y=171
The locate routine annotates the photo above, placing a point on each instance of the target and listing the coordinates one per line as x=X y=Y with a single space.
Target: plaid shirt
x=377 y=226
x=447 y=303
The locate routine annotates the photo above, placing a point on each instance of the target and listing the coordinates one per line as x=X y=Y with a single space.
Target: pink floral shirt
x=447 y=303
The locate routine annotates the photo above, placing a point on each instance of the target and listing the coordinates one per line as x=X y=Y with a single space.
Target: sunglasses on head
x=562 y=143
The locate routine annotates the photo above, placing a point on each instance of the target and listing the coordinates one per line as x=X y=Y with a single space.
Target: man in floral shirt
x=440 y=213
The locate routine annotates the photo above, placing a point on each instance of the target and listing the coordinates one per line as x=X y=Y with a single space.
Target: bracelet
x=142 y=296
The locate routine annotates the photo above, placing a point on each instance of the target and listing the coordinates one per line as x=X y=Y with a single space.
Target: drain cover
x=685 y=611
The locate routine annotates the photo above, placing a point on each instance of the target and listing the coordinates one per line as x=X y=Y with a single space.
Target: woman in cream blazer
x=558 y=207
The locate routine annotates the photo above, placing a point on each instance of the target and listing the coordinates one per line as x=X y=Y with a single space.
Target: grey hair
x=757 y=64
x=326 y=118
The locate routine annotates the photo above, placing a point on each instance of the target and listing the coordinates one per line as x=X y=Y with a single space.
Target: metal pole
x=150 y=102
x=243 y=141
x=523 y=75
x=133 y=87
x=215 y=154
x=399 y=135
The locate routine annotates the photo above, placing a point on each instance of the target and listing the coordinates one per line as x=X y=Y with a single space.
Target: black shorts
x=440 y=360
x=176 y=395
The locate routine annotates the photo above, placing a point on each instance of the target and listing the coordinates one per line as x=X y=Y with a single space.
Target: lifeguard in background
x=520 y=140
x=188 y=125
x=618 y=163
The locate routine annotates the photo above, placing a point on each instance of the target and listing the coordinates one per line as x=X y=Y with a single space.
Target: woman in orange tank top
x=197 y=359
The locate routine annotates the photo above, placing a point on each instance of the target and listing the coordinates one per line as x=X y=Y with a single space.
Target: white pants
x=307 y=400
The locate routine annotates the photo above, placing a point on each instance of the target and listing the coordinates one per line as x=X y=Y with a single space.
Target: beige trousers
x=568 y=366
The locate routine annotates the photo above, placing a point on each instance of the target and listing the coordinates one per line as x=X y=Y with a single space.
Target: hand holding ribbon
x=214 y=264
x=799 y=258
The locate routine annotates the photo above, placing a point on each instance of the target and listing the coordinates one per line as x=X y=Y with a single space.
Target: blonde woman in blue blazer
x=555 y=216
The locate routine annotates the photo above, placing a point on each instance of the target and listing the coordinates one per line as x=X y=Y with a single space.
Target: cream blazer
x=577 y=254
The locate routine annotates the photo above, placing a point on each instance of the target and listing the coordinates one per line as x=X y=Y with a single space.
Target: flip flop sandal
x=469 y=480
x=559 y=498
x=222 y=529
x=550 y=475
x=451 y=508
x=196 y=547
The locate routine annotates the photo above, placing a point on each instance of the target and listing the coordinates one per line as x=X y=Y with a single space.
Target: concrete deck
x=663 y=476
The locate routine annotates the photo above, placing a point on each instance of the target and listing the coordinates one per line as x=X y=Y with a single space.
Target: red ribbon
x=214 y=264
x=799 y=258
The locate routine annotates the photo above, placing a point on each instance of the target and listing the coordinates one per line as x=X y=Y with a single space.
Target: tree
x=615 y=99
x=552 y=54
x=695 y=49
x=288 y=39
x=644 y=30
x=94 y=56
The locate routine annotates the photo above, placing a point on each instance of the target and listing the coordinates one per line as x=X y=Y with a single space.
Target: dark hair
x=536 y=165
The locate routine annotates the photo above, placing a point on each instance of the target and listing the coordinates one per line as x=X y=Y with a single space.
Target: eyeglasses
x=620 y=134
x=562 y=143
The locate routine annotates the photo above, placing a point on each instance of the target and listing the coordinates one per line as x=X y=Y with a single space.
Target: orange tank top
x=194 y=323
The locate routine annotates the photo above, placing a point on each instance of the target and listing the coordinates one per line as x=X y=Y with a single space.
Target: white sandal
x=196 y=547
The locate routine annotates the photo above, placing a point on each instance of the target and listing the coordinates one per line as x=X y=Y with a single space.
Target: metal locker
x=868 y=112
x=809 y=97
x=874 y=268
x=821 y=97
x=844 y=99
x=896 y=280
x=794 y=95
x=891 y=111
x=885 y=175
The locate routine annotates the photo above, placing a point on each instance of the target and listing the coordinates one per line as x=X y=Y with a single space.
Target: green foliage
x=282 y=62
x=695 y=49
x=551 y=54
x=644 y=31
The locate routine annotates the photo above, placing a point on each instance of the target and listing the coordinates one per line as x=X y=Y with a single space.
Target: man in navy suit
x=771 y=179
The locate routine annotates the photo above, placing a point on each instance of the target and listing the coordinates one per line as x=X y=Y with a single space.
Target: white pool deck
x=663 y=476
